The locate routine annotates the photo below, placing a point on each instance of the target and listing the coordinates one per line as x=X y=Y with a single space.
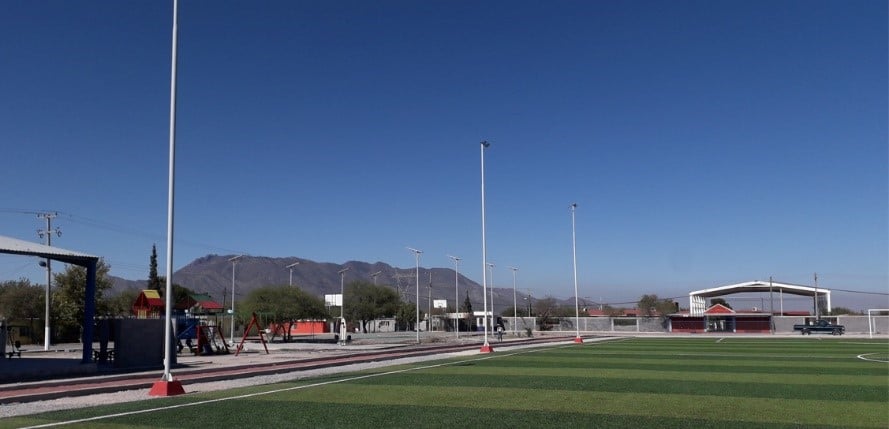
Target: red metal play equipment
x=261 y=337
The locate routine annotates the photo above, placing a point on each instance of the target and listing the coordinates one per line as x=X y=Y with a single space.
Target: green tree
x=121 y=304
x=20 y=300
x=366 y=301
x=154 y=282
x=22 y=303
x=721 y=301
x=180 y=293
x=466 y=309
x=547 y=309
x=70 y=297
x=651 y=305
x=406 y=316
x=843 y=310
x=282 y=304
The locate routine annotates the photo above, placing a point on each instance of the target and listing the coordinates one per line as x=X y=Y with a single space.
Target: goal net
x=877 y=321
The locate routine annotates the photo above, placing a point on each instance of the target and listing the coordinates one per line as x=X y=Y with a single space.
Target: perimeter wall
x=783 y=324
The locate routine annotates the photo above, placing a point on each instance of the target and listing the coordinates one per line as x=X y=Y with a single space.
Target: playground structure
x=260 y=336
x=200 y=334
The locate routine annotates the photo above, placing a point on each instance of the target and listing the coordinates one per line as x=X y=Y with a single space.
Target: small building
x=719 y=318
x=199 y=303
x=149 y=304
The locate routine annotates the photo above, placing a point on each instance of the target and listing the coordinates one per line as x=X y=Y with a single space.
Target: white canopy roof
x=696 y=298
x=15 y=246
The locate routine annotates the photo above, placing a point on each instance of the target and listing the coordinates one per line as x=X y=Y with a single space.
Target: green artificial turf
x=662 y=382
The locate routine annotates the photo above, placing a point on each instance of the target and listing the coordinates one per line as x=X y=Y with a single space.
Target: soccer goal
x=874 y=317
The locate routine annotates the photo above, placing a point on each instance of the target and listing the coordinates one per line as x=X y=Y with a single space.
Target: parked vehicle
x=822 y=326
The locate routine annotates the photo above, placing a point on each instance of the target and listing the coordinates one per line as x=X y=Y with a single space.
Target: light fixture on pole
x=456 y=292
x=234 y=261
x=374 y=276
x=486 y=348
x=515 y=311
x=291 y=271
x=577 y=338
x=417 y=254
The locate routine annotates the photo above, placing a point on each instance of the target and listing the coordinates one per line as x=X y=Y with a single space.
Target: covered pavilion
x=698 y=303
x=13 y=246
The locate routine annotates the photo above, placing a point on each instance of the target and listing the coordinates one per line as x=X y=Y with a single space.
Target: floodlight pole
x=417 y=326
x=577 y=338
x=456 y=292
x=167 y=386
x=515 y=312
x=486 y=348
x=291 y=271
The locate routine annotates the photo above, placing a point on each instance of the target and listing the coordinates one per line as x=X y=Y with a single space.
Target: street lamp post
x=486 y=348
x=456 y=292
x=342 y=274
x=374 y=276
x=417 y=254
x=291 y=271
x=577 y=338
x=515 y=311
x=529 y=305
x=234 y=261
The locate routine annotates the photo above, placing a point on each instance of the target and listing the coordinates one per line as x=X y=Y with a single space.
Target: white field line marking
x=865 y=358
x=797 y=341
x=250 y=395
x=720 y=340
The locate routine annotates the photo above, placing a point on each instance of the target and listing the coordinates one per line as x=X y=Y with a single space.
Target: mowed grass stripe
x=705 y=354
x=333 y=415
x=850 y=359
x=747 y=366
x=828 y=351
x=641 y=384
x=717 y=408
x=796 y=347
x=637 y=374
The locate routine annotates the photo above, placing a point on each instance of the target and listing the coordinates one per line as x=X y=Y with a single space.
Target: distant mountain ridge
x=212 y=274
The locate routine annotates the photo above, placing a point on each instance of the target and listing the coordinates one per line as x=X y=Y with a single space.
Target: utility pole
x=48 y=232
x=398 y=277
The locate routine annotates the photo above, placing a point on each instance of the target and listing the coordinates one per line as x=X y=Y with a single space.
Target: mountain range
x=212 y=274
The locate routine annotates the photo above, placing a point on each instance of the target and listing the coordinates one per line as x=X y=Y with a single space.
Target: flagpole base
x=166 y=388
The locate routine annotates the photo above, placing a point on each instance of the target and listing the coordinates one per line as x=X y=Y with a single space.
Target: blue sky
x=705 y=143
